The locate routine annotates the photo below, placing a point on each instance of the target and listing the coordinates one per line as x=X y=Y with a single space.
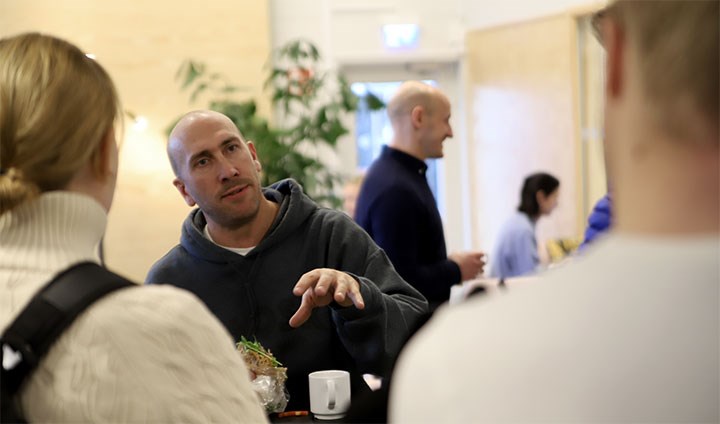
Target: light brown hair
x=677 y=46
x=56 y=107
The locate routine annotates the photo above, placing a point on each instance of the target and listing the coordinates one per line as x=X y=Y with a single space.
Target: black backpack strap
x=50 y=312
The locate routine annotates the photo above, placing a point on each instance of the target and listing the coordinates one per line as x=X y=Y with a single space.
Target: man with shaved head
x=396 y=206
x=305 y=281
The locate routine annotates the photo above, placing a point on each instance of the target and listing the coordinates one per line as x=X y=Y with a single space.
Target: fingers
x=319 y=287
x=471 y=264
x=304 y=311
x=480 y=259
x=479 y=263
x=325 y=283
x=306 y=281
x=348 y=293
x=320 y=281
x=357 y=298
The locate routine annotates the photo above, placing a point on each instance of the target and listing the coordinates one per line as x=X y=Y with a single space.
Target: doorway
x=448 y=177
x=373 y=129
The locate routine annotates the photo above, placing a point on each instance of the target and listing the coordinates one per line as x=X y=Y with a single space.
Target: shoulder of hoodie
x=334 y=217
x=313 y=209
x=165 y=264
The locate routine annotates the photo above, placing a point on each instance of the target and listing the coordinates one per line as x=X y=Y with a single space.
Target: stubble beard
x=232 y=220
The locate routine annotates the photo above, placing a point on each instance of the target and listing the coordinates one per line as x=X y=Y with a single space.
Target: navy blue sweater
x=398 y=210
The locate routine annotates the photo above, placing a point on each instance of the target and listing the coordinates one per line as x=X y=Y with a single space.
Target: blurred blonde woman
x=142 y=354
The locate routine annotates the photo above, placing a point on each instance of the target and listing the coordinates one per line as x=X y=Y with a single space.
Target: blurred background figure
x=351 y=190
x=630 y=331
x=599 y=221
x=396 y=206
x=516 y=251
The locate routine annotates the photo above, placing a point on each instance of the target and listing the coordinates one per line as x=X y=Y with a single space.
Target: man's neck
x=405 y=147
x=674 y=194
x=251 y=233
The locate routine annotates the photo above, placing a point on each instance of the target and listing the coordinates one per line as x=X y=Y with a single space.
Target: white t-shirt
x=239 y=250
x=627 y=333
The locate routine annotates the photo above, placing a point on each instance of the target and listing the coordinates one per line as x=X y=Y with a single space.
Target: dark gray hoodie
x=252 y=295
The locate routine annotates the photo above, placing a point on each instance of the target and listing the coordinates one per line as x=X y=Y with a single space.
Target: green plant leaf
x=333 y=131
x=374 y=102
x=192 y=71
x=198 y=90
x=316 y=114
x=314 y=53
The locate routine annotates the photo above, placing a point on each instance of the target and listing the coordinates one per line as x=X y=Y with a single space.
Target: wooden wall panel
x=142 y=44
x=521 y=120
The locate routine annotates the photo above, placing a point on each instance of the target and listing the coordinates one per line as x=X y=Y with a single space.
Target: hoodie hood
x=295 y=208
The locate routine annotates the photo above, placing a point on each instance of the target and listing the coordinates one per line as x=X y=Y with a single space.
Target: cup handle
x=331 y=394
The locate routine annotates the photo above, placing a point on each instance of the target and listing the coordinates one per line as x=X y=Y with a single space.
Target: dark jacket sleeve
x=397 y=227
x=393 y=309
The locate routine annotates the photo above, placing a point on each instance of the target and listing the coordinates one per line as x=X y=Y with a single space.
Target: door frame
x=453 y=169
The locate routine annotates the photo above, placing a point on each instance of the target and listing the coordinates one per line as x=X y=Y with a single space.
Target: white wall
x=350 y=30
x=291 y=19
x=478 y=14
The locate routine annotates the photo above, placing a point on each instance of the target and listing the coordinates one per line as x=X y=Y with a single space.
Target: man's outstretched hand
x=322 y=286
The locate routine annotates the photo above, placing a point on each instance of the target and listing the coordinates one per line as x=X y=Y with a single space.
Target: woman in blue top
x=516 y=250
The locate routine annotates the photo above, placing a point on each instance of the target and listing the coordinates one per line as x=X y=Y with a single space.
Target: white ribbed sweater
x=146 y=354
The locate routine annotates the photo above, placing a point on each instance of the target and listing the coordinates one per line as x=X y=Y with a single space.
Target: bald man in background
x=396 y=206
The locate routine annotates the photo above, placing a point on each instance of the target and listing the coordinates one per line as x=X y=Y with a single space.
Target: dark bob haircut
x=540 y=181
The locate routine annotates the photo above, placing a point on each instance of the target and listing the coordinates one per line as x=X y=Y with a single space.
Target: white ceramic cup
x=329 y=394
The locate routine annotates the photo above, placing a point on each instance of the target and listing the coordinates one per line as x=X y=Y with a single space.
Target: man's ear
x=180 y=186
x=417 y=114
x=253 y=153
x=615 y=45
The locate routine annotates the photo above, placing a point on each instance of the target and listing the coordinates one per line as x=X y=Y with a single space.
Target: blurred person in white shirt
x=628 y=332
